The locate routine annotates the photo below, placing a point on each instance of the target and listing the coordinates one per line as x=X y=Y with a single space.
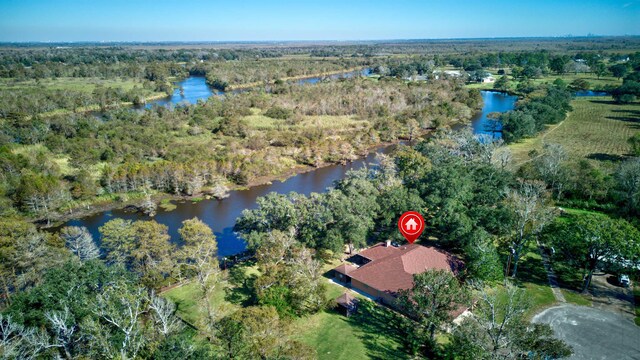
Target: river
x=221 y=215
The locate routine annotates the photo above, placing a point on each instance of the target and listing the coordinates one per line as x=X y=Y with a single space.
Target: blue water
x=585 y=93
x=188 y=91
x=493 y=102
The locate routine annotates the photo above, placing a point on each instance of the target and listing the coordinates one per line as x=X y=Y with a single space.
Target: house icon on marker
x=411 y=225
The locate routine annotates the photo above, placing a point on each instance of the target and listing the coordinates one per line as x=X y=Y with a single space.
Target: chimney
x=388 y=243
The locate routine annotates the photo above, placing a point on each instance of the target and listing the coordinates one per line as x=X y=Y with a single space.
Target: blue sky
x=237 y=20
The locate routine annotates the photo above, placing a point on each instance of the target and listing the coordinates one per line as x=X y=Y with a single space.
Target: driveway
x=593 y=333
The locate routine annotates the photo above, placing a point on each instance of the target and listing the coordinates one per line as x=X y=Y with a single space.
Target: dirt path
x=551 y=275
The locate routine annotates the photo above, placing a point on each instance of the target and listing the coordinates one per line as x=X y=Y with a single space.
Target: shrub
x=277 y=112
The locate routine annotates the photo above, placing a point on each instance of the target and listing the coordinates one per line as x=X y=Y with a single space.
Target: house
x=450 y=73
x=384 y=269
x=488 y=79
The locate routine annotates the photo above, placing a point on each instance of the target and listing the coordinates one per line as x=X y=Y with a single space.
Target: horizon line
x=568 y=36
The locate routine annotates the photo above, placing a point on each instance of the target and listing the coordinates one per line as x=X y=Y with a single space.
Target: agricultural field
x=597 y=129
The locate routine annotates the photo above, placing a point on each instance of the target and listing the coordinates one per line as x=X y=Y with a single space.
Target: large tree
x=529 y=213
x=258 y=333
x=499 y=329
x=143 y=246
x=587 y=240
x=199 y=259
x=435 y=295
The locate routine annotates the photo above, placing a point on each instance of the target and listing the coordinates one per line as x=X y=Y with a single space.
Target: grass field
x=593 y=80
x=68 y=83
x=258 y=121
x=596 y=129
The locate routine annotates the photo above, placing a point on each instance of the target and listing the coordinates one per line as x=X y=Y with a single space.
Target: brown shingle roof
x=345 y=269
x=393 y=267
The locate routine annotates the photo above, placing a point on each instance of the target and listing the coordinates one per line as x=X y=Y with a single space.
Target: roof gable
x=392 y=268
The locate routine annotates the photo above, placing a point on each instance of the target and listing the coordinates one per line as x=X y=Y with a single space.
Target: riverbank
x=136 y=199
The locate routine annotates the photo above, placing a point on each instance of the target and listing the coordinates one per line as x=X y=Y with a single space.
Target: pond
x=493 y=102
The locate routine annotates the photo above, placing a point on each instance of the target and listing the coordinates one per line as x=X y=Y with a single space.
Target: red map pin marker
x=411 y=225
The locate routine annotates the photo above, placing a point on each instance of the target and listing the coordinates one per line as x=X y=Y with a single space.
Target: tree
x=627 y=178
x=258 y=333
x=291 y=279
x=434 y=296
x=579 y=85
x=634 y=142
x=141 y=245
x=80 y=242
x=502 y=84
x=552 y=168
x=558 y=64
x=118 y=329
x=619 y=70
x=163 y=313
x=498 y=329
x=587 y=240
x=199 y=258
x=25 y=255
x=41 y=194
x=600 y=69
x=530 y=214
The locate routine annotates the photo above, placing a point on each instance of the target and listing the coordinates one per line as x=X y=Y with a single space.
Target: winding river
x=221 y=215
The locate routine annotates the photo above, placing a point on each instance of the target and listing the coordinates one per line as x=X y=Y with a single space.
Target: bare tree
x=530 y=215
x=502 y=157
x=65 y=330
x=551 y=167
x=121 y=310
x=19 y=342
x=163 y=312
x=80 y=242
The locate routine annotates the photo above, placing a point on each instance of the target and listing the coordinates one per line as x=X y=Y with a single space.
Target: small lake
x=221 y=215
x=586 y=93
x=493 y=102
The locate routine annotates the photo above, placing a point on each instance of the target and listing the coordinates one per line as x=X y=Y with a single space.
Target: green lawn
x=187 y=299
x=576 y=298
x=532 y=277
x=596 y=129
x=372 y=333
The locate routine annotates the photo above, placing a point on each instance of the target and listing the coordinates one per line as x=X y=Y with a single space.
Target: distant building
x=383 y=269
x=488 y=79
x=453 y=73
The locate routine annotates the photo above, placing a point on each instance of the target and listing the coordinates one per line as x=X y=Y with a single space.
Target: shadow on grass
x=379 y=325
x=531 y=269
x=605 y=157
x=611 y=102
x=240 y=291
